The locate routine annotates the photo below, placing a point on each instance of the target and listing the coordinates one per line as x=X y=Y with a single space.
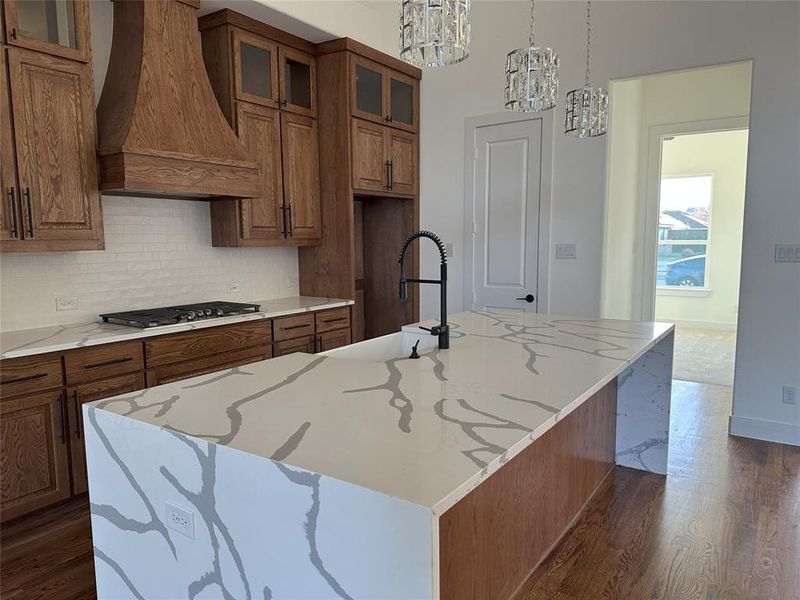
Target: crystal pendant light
x=587 y=107
x=531 y=75
x=434 y=33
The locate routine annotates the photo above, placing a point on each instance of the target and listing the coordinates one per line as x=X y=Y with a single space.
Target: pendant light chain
x=532 y=22
x=588 y=37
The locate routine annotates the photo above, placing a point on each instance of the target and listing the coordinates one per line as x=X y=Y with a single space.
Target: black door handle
x=13 y=207
x=77 y=414
x=530 y=298
x=30 y=212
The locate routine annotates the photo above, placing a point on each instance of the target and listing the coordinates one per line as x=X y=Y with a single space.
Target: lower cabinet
x=90 y=392
x=302 y=344
x=34 y=456
x=333 y=339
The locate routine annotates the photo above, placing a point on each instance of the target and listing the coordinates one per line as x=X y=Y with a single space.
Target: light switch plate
x=566 y=251
x=787 y=253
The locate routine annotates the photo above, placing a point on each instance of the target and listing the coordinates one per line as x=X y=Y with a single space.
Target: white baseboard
x=769 y=431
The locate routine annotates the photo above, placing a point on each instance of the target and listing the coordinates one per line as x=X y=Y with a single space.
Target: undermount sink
x=387 y=347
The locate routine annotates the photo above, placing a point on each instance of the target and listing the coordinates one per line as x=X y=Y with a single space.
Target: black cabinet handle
x=321 y=343
x=334 y=320
x=284 y=232
x=77 y=414
x=62 y=405
x=30 y=212
x=297 y=326
x=115 y=361
x=289 y=219
x=13 y=33
x=388 y=118
x=529 y=298
x=283 y=102
x=26 y=378
x=388 y=176
x=391 y=174
x=13 y=206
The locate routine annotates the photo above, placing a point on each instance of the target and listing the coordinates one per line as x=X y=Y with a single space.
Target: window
x=684 y=227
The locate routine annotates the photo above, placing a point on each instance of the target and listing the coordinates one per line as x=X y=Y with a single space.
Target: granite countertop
x=27 y=342
x=426 y=431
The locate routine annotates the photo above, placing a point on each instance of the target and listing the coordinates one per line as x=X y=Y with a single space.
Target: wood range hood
x=160 y=130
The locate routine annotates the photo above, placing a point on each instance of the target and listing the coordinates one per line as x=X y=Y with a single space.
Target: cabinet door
x=403 y=101
x=208 y=364
x=59 y=27
x=54 y=125
x=34 y=467
x=301 y=176
x=367 y=89
x=89 y=392
x=402 y=162
x=255 y=68
x=333 y=339
x=370 y=167
x=298 y=77
x=260 y=131
x=9 y=202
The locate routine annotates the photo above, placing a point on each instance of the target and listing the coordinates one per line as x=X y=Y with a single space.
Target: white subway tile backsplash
x=158 y=252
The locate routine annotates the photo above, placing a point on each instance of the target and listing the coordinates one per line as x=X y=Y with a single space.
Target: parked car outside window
x=687 y=272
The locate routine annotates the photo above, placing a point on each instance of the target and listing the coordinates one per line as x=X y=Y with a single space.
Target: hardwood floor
x=723 y=525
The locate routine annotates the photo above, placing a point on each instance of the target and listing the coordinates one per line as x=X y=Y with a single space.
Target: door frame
x=472 y=124
x=648 y=228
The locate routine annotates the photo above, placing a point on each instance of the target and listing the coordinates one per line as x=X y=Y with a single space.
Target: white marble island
x=336 y=476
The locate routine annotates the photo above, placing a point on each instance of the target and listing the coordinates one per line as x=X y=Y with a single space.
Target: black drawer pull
x=336 y=320
x=13 y=206
x=77 y=414
x=30 y=212
x=297 y=326
x=21 y=379
x=62 y=435
x=116 y=361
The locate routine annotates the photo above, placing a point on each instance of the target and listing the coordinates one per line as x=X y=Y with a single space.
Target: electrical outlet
x=180 y=520
x=787 y=253
x=67 y=303
x=566 y=251
x=789 y=394
x=234 y=288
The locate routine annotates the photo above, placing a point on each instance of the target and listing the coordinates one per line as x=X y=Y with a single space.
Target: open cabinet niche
x=380 y=226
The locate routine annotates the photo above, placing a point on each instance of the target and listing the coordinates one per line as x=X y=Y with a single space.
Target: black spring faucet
x=441 y=330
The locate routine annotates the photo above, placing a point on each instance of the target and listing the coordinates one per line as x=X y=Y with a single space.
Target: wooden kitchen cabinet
x=255 y=68
x=384 y=159
x=300 y=152
x=9 y=202
x=298 y=81
x=90 y=392
x=57 y=27
x=333 y=339
x=383 y=95
x=57 y=201
x=272 y=104
x=34 y=463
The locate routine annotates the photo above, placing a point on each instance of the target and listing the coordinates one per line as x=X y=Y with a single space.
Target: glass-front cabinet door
x=59 y=27
x=402 y=101
x=367 y=81
x=255 y=66
x=298 y=82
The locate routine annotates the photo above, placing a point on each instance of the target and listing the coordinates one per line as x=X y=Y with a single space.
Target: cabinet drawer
x=288 y=328
x=333 y=339
x=208 y=364
x=328 y=320
x=108 y=360
x=29 y=374
x=207 y=342
x=303 y=344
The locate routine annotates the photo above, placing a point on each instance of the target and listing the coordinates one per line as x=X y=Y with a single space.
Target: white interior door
x=507 y=189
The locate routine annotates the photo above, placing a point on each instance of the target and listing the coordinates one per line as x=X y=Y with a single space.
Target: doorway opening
x=675 y=210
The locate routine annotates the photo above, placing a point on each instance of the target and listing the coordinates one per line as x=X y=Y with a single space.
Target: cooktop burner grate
x=170 y=315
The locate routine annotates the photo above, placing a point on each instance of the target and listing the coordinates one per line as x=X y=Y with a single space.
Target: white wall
x=723 y=155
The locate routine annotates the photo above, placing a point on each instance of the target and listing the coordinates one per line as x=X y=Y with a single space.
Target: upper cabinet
x=57 y=27
x=255 y=68
x=48 y=162
x=265 y=81
x=383 y=95
x=298 y=82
